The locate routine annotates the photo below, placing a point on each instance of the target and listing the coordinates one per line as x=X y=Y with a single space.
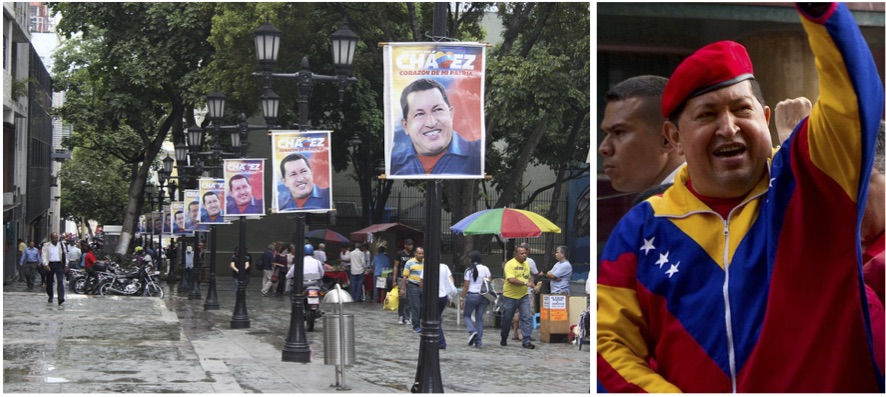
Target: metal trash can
x=332 y=340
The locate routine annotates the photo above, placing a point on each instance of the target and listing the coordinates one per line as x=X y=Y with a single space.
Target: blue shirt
x=254 y=207
x=381 y=263
x=563 y=270
x=319 y=199
x=31 y=254
x=462 y=158
x=204 y=217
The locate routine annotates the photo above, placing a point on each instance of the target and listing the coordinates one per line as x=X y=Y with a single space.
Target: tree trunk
x=510 y=191
x=382 y=200
x=462 y=198
x=553 y=211
x=140 y=176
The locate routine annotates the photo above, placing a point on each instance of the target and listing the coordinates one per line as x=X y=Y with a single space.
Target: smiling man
x=740 y=277
x=296 y=189
x=241 y=201
x=212 y=209
x=435 y=147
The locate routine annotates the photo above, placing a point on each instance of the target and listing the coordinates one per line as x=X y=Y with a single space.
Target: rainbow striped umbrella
x=505 y=222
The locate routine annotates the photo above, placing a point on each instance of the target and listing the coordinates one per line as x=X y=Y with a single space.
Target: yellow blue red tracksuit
x=766 y=300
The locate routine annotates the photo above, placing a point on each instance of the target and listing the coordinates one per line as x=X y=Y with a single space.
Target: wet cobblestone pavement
x=97 y=344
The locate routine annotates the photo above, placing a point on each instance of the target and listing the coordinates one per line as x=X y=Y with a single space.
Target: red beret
x=712 y=67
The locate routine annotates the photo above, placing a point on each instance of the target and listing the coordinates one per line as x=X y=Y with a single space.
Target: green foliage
x=126 y=71
x=94 y=187
x=546 y=74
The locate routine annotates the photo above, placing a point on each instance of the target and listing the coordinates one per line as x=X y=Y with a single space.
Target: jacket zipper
x=730 y=340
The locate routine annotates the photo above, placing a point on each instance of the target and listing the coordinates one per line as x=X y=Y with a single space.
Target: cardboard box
x=554 y=317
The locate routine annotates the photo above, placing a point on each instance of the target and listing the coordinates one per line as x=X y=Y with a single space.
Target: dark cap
x=712 y=67
x=408 y=241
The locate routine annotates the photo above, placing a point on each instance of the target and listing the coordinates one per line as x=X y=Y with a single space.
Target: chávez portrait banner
x=192 y=211
x=245 y=186
x=434 y=114
x=212 y=201
x=302 y=171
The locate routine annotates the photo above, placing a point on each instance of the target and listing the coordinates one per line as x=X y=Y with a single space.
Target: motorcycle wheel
x=78 y=285
x=104 y=289
x=310 y=319
x=155 y=290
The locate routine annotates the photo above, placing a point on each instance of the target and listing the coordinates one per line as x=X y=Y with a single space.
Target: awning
x=401 y=230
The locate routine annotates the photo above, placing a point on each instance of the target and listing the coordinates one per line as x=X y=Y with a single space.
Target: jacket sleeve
x=623 y=353
x=843 y=124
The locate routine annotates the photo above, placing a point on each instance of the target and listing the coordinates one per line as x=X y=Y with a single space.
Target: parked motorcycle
x=139 y=281
x=81 y=283
x=313 y=293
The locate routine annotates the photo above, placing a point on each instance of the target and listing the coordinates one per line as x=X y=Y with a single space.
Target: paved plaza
x=97 y=344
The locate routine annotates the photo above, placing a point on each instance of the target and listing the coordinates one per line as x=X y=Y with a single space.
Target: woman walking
x=471 y=300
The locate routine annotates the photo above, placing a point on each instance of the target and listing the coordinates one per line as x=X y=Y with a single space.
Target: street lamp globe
x=355 y=140
x=270 y=105
x=344 y=44
x=267 y=45
x=167 y=164
x=195 y=138
x=235 y=139
x=149 y=189
x=215 y=101
x=181 y=153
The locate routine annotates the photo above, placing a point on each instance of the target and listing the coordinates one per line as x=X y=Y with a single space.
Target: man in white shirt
x=358 y=270
x=74 y=255
x=320 y=253
x=55 y=265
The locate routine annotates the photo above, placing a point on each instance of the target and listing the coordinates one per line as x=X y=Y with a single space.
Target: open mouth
x=730 y=150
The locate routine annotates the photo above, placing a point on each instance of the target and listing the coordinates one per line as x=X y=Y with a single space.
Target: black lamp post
x=149 y=191
x=267 y=44
x=194 y=149
x=427 y=375
x=215 y=103
x=185 y=174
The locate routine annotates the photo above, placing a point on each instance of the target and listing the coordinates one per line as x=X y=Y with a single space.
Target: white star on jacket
x=673 y=270
x=662 y=259
x=647 y=245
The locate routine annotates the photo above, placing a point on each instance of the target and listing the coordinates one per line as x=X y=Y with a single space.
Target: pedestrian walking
x=516 y=296
x=400 y=259
x=445 y=286
x=235 y=272
x=19 y=267
x=473 y=303
x=189 y=267
x=358 y=269
x=380 y=264
x=30 y=259
x=74 y=255
x=267 y=268
x=410 y=286
x=55 y=264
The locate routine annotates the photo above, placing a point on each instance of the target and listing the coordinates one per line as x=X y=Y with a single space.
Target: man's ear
x=403 y=124
x=672 y=136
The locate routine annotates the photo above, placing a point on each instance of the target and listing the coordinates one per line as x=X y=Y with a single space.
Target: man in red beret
x=737 y=279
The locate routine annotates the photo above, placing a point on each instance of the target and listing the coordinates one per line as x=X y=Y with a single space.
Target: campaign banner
x=192 y=210
x=302 y=171
x=177 y=218
x=434 y=114
x=166 y=219
x=245 y=186
x=212 y=201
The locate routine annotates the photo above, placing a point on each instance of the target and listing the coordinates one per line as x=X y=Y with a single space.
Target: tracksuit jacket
x=770 y=299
